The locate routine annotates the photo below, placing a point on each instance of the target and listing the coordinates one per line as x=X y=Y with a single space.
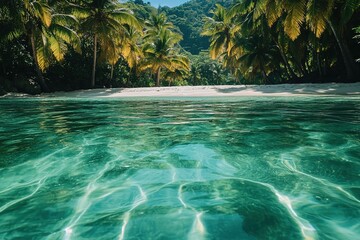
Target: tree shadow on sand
x=298 y=89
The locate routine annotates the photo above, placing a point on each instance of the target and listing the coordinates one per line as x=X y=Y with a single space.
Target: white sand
x=331 y=89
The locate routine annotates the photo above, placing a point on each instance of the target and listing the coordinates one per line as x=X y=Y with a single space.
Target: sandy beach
x=328 y=89
x=331 y=89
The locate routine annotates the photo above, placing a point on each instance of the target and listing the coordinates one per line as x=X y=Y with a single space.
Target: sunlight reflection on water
x=250 y=168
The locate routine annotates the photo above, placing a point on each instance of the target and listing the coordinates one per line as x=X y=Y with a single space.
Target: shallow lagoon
x=240 y=168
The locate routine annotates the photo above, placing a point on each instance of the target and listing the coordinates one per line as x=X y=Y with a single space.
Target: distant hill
x=188 y=17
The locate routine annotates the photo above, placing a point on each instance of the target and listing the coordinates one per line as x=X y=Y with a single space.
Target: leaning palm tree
x=161 y=53
x=105 y=21
x=48 y=32
x=317 y=15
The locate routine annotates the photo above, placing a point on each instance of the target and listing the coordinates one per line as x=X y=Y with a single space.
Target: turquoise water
x=241 y=168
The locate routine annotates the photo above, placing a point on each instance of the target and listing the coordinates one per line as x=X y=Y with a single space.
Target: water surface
x=240 y=168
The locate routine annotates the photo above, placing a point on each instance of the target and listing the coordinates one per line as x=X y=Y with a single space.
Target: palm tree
x=160 y=47
x=347 y=9
x=161 y=53
x=105 y=21
x=258 y=57
x=7 y=30
x=177 y=75
x=10 y=26
x=46 y=30
x=156 y=23
x=125 y=46
x=221 y=29
x=131 y=49
x=110 y=51
x=319 y=16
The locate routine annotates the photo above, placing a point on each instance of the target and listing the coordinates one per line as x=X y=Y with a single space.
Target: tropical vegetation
x=50 y=45
x=270 y=40
x=159 y=49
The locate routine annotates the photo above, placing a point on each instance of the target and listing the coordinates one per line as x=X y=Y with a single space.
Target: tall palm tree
x=317 y=15
x=126 y=46
x=337 y=26
x=131 y=49
x=111 y=50
x=320 y=15
x=46 y=30
x=161 y=53
x=325 y=14
x=105 y=21
x=221 y=29
x=262 y=16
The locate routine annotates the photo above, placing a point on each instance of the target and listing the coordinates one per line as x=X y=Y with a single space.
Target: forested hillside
x=189 y=19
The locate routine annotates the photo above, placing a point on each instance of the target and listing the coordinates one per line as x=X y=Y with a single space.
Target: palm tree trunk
x=264 y=74
x=111 y=73
x=303 y=63
x=299 y=67
x=319 y=64
x=346 y=54
x=3 y=67
x=128 y=79
x=325 y=66
x=308 y=68
x=2 y=79
x=158 y=77
x=288 y=68
x=94 y=63
x=42 y=82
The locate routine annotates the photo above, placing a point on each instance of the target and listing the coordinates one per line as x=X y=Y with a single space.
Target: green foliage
x=188 y=17
x=206 y=71
x=105 y=21
x=160 y=51
x=263 y=40
x=62 y=43
x=48 y=32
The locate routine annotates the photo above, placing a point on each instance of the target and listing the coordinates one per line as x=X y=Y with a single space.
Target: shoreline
x=327 y=89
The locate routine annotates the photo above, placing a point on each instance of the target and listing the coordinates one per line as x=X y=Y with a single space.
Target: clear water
x=247 y=168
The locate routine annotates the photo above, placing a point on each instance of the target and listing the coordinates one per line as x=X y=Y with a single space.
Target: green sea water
x=236 y=168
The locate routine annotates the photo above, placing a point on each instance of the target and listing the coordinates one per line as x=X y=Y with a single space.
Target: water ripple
x=250 y=168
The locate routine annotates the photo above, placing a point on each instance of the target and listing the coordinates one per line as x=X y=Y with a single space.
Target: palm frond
x=42 y=11
x=65 y=19
x=125 y=16
x=318 y=11
x=349 y=8
x=295 y=17
x=57 y=48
